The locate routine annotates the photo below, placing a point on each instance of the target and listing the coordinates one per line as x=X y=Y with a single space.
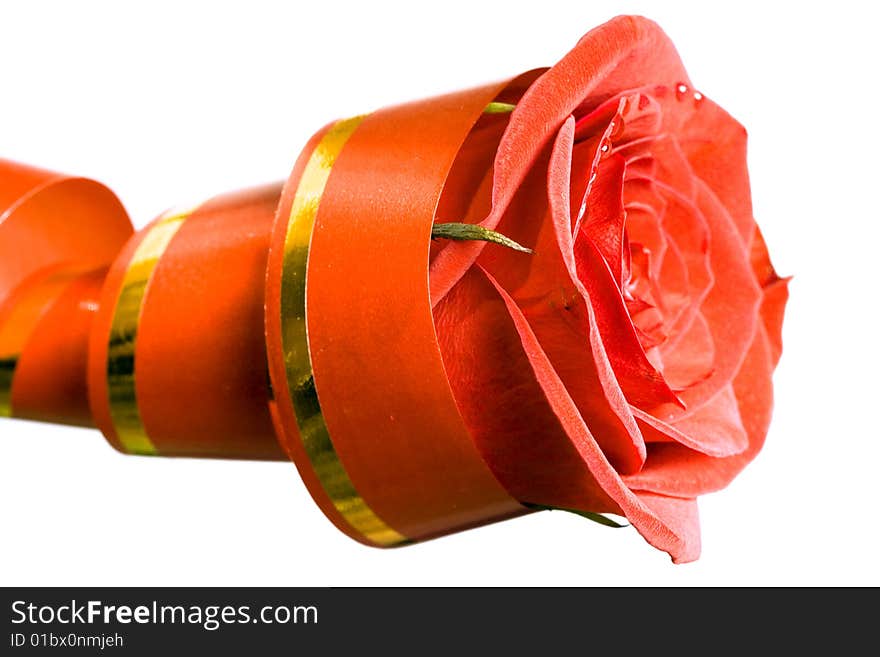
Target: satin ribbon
x=300 y=377
x=56 y=231
x=124 y=410
x=178 y=358
x=362 y=402
x=359 y=395
x=19 y=318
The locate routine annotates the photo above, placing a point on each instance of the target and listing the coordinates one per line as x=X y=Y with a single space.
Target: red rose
x=624 y=367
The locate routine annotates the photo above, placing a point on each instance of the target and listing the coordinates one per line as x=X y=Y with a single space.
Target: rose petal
x=680 y=515
x=551 y=299
x=673 y=469
x=716 y=429
x=686 y=230
x=731 y=306
x=604 y=219
x=466 y=197
x=503 y=404
x=692 y=359
x=715 y=145
x=775 y=292
x=645 y=208
x=673 y=170
x=637 y=377
x=640 y=381
x=772 y=311
x=649 y=523
x=627 y=52
x=673 y=281
x=467 y=193
x=636 y=115
x=759 y=258
x=583 y=161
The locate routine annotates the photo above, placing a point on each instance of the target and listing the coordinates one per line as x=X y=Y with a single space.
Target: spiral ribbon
x=270 y=323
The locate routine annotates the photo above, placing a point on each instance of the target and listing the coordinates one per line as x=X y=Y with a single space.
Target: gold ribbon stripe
x=7 y=371
x=295 y=341
x=122 y=343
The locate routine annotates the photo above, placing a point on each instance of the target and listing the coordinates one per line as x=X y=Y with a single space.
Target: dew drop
x=698 y=96
x=604 y=148
x=615 y=129
x=681 y=90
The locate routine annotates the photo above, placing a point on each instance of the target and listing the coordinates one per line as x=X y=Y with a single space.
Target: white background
x=175 y=101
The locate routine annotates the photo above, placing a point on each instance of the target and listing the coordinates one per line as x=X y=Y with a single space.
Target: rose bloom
x=625 y=366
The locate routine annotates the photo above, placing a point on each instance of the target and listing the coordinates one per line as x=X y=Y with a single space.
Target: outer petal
x=715 y=145
x=550 y=297
x=682 y=517
x=716 y=429
x=467 y=197
x=627 y=52
x=467 y=194
x=772 y=312
x=674 y=534
x=503 y=405
x=675 y=470
x=775 y=292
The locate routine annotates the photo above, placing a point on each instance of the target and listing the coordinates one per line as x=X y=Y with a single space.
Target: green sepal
x=499 y=108
x=456 y=231
x=589 y=515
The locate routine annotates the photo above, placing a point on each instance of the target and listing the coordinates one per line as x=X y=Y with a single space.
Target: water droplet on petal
x=681 y=90
x=698 y=96
x=604 y=148
x=615 y=128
